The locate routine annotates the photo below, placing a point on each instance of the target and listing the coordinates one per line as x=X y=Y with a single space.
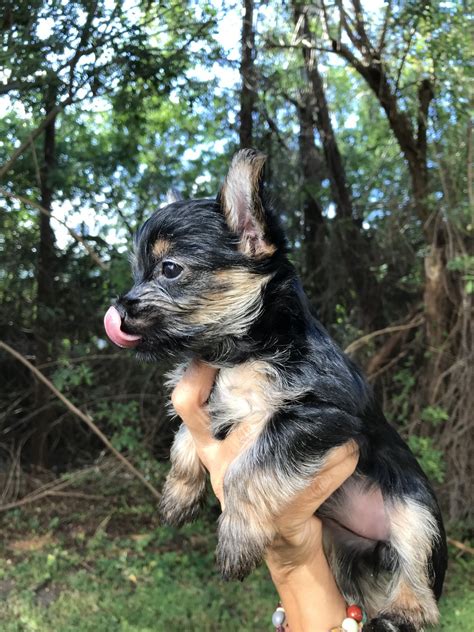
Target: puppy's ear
x=242 y=204
x=173 y=195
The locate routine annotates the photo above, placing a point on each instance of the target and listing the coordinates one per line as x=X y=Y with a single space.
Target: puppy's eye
x=170 y=270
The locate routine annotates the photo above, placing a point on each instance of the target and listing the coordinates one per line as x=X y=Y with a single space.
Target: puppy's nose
x=128 y=305
x=119 y=306
x=129 y=299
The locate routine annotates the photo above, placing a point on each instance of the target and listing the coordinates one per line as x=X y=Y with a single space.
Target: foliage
x=151 y=580
x=430 y=459
x=97 y=577
x=465 y=264
x=148 y=99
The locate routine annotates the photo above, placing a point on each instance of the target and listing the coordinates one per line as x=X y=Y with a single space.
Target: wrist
x=285 y=568
x=307 y=590
x=294 y=549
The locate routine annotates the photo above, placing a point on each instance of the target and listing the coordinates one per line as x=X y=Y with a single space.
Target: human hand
x=296 y=558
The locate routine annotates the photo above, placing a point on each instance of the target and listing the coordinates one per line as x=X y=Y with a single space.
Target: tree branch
x=361 y=342
x=425 y=96
x=18 y=85
x=383 y=34
x=360 y=27
x=404 y=58
x=34 y=134
x=82 y=416
x=78 y=52
x=461 y=546
x=71 y=231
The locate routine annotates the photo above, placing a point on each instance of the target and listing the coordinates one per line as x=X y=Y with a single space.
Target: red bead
x=354 y=612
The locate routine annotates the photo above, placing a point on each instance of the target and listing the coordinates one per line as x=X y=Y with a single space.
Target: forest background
x=362 y=108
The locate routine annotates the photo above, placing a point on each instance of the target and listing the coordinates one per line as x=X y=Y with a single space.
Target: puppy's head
x=200 y=268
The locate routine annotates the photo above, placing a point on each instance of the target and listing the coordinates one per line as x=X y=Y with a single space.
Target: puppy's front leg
x=246 y=526
x=257 y=485
x=263 y=480
x=185 y=486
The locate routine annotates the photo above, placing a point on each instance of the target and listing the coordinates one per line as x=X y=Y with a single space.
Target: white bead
x=278 y=617
x=350 y=625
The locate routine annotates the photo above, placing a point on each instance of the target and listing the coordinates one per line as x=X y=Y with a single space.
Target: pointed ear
x=173 y=195
x=242 y=205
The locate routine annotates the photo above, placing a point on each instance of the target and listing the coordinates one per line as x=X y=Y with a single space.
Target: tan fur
x=250 y=392
x=407 y=602
x=186 y=481
x=413 y=530
x=161 y=247
x=405 y=592
x=240 y=189
x=183 y=454
x=254 y=496
x=234 y=299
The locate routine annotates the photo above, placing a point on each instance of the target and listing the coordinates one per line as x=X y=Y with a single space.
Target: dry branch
x=38 y=494
x=85 y=418
x=34 y=134
x=461 y=546
x=361 y=342
x=71 y=231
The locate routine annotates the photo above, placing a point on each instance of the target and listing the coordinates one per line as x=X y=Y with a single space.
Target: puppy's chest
x=249 y=393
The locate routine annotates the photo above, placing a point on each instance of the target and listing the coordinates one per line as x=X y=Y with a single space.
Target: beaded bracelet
x=353 y=622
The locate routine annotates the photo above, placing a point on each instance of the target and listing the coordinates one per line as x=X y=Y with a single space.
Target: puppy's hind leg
x=185 y=487
x=409 y=596
x=417 y=540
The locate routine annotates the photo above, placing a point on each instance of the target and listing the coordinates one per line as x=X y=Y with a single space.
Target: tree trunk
x=46 y=290
x=353 y=244
x=413 y=145
x=444 y=375
x=247 y=94
x=312 y=170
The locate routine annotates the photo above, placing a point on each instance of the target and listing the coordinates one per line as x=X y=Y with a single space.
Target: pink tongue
x=112 y=324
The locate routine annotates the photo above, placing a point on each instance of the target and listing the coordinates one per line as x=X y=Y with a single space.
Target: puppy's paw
x=240 y=548
x=180 y=502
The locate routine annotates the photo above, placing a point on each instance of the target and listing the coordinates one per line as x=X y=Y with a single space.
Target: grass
x=102 y=568
x=89 y=573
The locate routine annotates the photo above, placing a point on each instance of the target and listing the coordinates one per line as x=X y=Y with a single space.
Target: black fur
x=334 y=403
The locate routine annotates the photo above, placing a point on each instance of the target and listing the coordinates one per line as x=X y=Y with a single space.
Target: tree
x=374 y=56
x=354 y=246
x=75 y=52
x=247 y=72
x=313 y=171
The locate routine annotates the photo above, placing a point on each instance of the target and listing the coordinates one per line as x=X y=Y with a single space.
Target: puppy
x=213 y=281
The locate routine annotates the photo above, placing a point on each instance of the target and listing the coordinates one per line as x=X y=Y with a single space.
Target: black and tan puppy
x=212 y=281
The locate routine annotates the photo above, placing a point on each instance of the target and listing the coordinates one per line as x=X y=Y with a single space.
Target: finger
x=189 y=398
x=339 y=466
x=198 y=380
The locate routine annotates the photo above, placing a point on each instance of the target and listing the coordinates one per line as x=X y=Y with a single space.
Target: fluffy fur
x=238 y=304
